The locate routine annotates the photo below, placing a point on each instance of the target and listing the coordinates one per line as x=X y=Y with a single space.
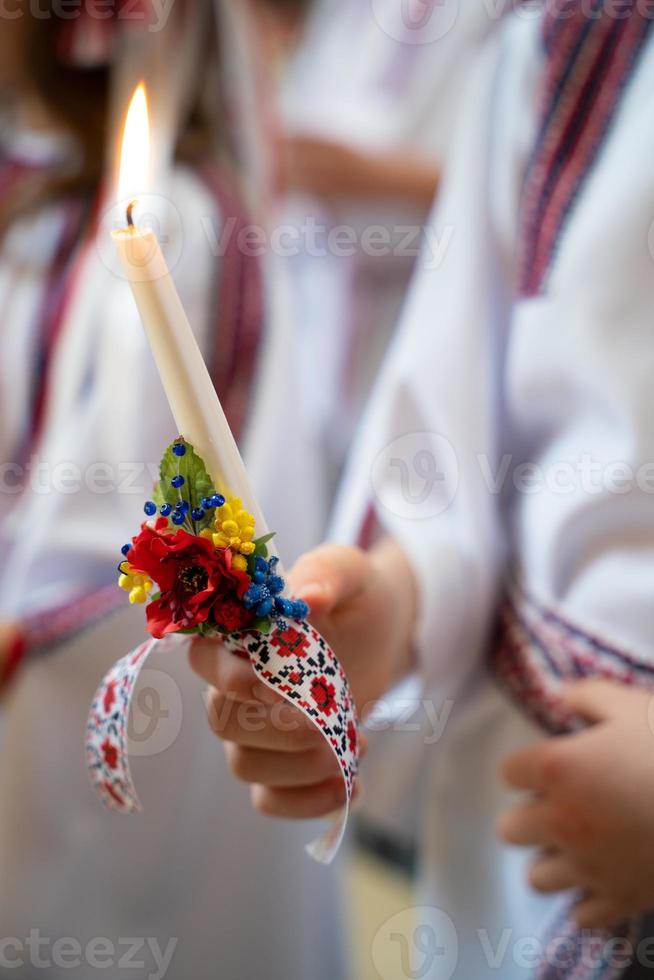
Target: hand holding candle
x=201 y=561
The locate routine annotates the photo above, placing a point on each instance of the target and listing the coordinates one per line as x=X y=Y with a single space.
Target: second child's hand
x=590 y=804
x=335 y=171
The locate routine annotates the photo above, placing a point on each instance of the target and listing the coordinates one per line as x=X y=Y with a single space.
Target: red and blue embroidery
x=538 y=647
x=590 y=55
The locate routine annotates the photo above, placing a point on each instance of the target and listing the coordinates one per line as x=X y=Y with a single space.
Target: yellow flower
x=136 y=583
x=235 y=530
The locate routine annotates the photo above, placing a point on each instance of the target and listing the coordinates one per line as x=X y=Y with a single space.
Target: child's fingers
x=553 y=873
x=527 y=826
x=276 y=728
x=543 y=768
x=596 y=913
x=300 y=803
x=282 y=769
x=329 y=576
x=525 y=769
x=598 y=700
x=233 y=676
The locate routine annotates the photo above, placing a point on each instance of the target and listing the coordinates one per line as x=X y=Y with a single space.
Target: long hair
x=78 y=99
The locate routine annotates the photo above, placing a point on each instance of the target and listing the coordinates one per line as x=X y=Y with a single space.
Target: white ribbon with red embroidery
x=294 y=660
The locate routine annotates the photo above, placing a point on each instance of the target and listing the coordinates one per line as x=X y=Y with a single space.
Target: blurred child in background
x=82 y=414
x=369 y=101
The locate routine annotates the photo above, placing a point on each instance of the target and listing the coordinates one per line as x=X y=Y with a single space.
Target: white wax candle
x=197 y=411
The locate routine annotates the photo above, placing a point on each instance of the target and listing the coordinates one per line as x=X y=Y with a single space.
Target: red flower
x=232 y=615
x=110 y=753
x=109 y=697
x=323 y=694
x=196 y=580
x=352 y=736
x=290 y=642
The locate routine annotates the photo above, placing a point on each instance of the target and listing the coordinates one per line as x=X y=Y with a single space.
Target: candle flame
x=135 y=149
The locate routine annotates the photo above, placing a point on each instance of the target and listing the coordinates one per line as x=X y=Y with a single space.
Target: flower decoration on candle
x=213 y=576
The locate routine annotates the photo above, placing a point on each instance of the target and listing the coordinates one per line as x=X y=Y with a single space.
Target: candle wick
x=130 y=209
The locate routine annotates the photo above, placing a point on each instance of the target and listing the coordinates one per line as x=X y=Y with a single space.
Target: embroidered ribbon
x=293 y=660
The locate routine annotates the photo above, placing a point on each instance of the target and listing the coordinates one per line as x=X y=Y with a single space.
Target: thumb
x=329 y=576
x=595 y=700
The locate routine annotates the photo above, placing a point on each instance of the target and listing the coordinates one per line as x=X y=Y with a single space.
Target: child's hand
x=364 y=607
x=322 y=167
x=592 y=806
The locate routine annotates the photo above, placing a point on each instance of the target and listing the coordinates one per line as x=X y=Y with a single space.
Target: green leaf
x=158 y=495
x=197 y=483
x=262 y=625
x=260 y=544
x=260 y=551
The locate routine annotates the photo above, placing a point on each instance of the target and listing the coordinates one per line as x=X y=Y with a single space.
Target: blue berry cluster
x=265 y=594
x=182 y=507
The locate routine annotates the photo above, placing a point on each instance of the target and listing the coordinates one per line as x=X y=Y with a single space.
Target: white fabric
x=198 y=865
x=365 y=78
x=474 y=376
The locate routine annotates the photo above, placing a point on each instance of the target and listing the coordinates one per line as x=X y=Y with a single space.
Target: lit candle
x=197 y=411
